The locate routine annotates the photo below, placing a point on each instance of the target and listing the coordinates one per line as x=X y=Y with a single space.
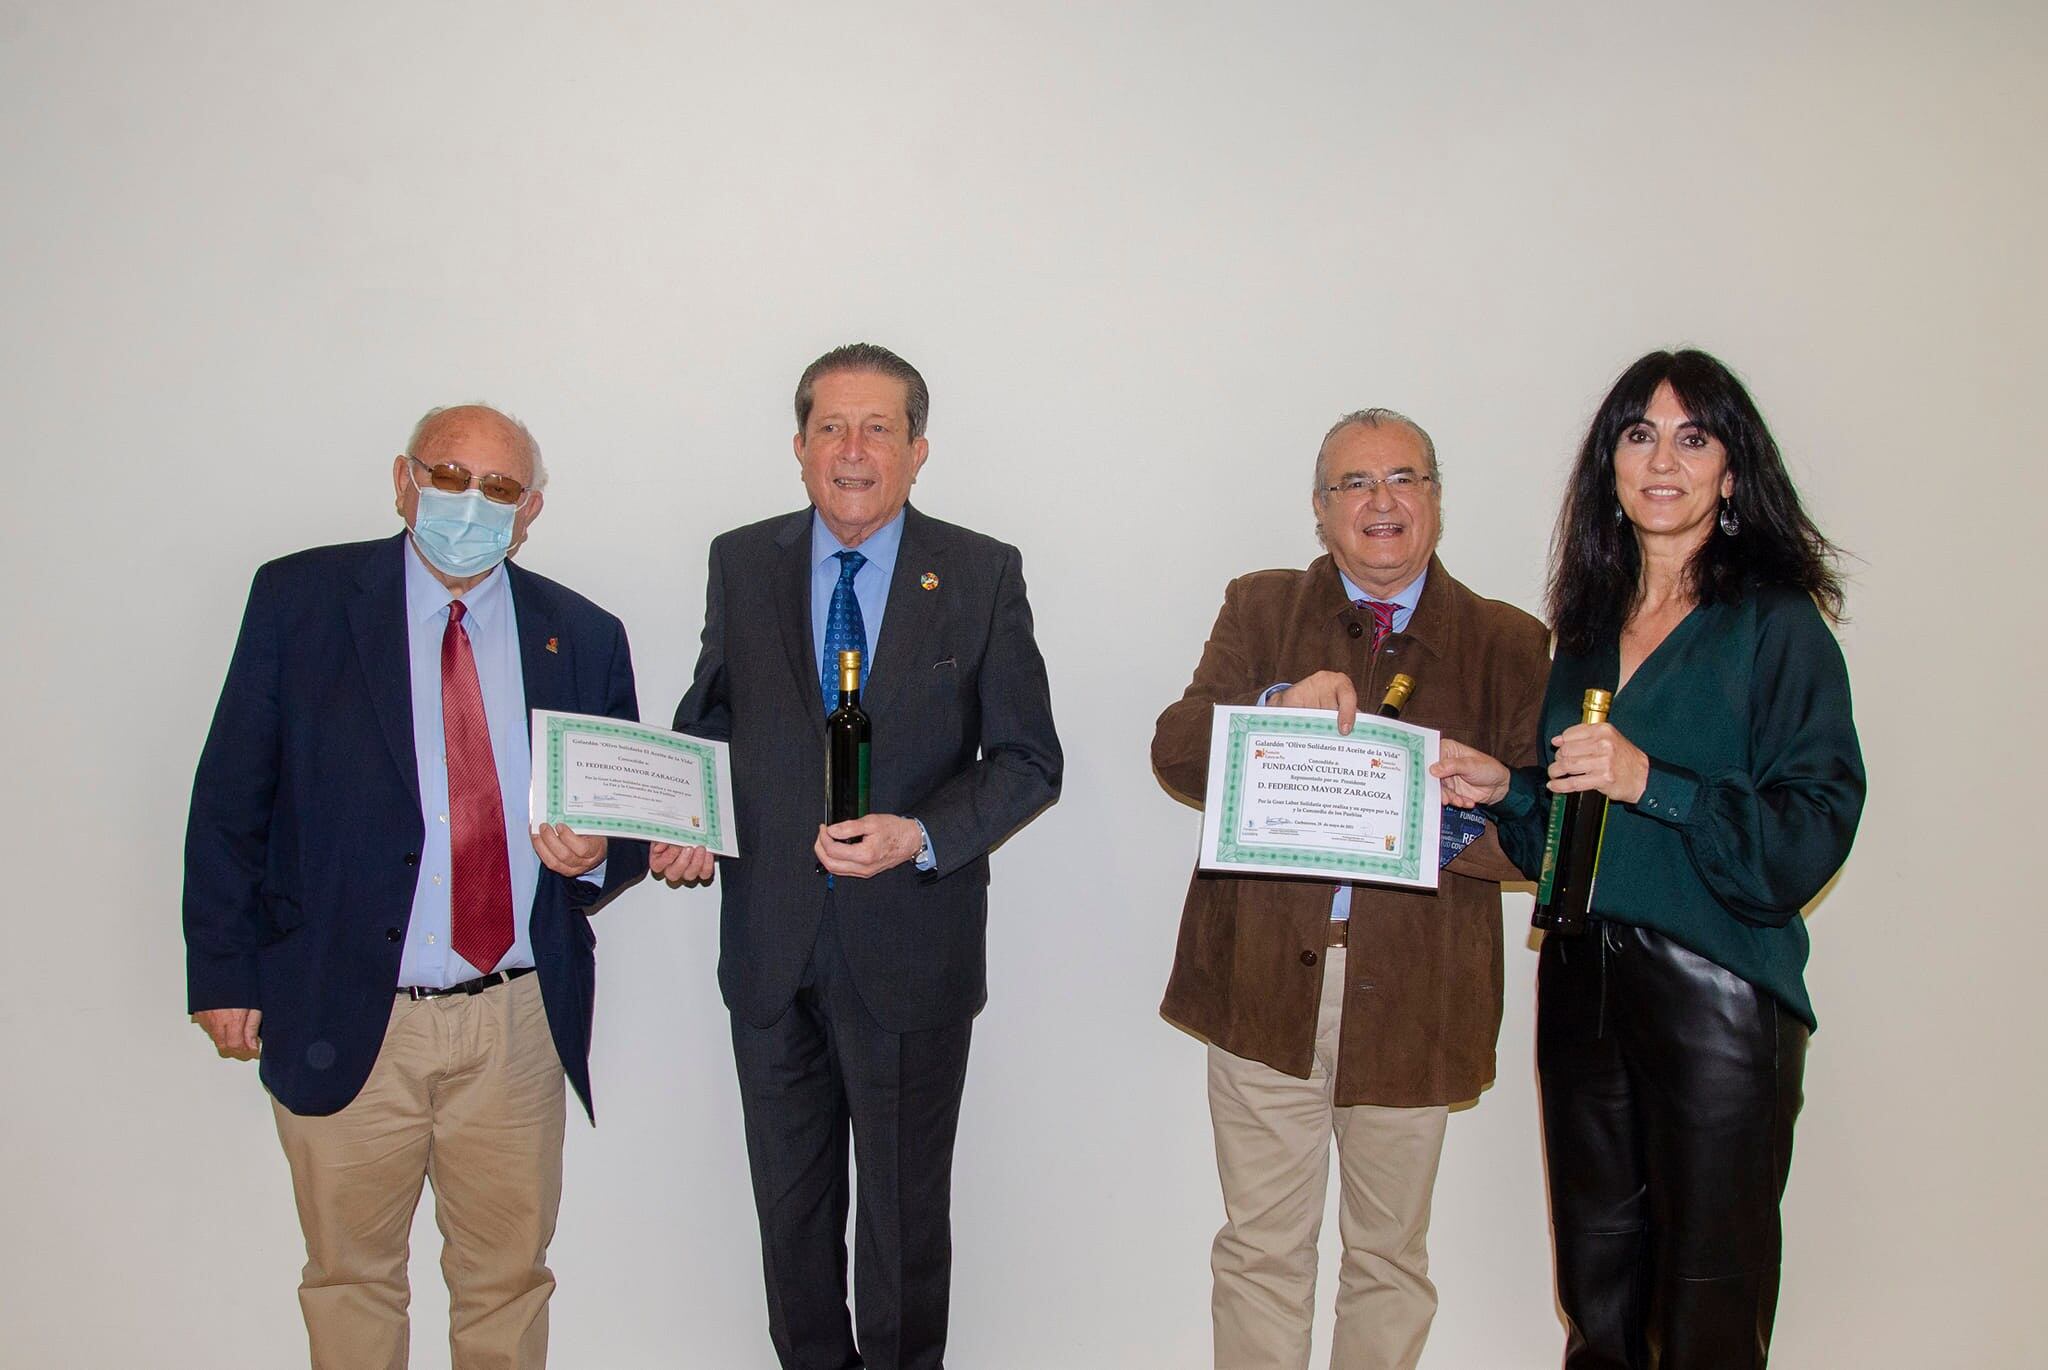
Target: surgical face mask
x=463 y=535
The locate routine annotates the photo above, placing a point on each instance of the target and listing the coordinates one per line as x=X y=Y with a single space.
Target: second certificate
x=1290 y=795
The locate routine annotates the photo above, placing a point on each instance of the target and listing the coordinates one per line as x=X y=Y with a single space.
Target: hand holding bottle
x=1578 y=820
x=868 y=845
x=1594 y=756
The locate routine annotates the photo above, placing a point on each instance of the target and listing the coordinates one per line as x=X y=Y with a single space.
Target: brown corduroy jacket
x=1422 y=992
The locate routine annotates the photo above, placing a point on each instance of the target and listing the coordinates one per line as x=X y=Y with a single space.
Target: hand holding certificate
x=604 y=776
x=1290 y=795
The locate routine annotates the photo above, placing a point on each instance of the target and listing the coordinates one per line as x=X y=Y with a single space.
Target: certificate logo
x=1390 y=840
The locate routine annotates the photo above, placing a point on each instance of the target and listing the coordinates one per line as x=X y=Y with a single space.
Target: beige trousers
x=1273 y=1154
x=467 y=1092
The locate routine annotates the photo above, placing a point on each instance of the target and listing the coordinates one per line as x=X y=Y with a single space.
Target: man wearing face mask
x=367 y=912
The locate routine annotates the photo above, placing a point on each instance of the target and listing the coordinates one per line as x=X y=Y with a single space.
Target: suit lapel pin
x=555 y=645
x=929 y=580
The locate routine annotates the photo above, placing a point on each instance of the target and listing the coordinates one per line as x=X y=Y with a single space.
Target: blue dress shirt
x=493 y=628
x=1404 y=609
x=870 y=586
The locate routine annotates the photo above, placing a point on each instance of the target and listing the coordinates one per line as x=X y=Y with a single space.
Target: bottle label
x=863 y=791
x=1548 y=879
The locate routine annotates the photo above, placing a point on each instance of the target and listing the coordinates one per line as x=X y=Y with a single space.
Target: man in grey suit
x=852 y=955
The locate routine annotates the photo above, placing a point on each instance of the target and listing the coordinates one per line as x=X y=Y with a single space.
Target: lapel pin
x=929 y=580
x=555 y=645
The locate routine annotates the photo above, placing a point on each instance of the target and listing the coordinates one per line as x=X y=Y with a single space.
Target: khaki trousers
x=1273 y=1136
x=467 y=1093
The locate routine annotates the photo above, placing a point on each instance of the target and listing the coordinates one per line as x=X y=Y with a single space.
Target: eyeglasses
x=452 y=479
x=1357 y=487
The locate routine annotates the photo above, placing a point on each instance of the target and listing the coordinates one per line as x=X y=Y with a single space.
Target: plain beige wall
x=1144 y=254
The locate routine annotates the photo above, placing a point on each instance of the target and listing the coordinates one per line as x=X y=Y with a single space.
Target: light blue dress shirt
x=1404 y=609
x=871 y=588
x=493 y=630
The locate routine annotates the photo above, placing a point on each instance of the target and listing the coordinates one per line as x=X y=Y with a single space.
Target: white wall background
x=1144 y=254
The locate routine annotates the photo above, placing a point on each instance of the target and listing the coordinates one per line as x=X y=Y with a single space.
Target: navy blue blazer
x=302 y=850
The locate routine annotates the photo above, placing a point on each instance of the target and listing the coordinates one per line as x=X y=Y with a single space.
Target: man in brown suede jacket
x=1347 y=1010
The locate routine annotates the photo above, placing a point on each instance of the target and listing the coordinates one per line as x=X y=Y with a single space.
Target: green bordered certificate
x=606 y=777
x=1290 y=795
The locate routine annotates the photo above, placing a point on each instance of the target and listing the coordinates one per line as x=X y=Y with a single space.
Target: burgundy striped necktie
x=480 y=878
x=1382 y=619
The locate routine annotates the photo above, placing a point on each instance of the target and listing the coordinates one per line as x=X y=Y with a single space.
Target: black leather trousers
x=1669 y=1088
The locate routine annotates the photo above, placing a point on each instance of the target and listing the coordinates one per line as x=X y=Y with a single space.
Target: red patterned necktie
x=1382 y=619
x=480 y=880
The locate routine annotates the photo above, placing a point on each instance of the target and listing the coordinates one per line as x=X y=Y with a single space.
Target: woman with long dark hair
x=1671 y=1034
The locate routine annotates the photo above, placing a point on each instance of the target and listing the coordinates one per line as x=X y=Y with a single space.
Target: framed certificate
x=1290 y=795
x=607 y=777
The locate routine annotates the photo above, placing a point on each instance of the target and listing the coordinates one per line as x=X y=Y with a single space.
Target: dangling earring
x=1731 y=524
x=1620 y=514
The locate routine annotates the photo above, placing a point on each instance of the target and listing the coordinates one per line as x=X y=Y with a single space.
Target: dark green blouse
x=1756 y=784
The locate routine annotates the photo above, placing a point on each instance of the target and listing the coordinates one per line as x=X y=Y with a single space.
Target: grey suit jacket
x=963 y=742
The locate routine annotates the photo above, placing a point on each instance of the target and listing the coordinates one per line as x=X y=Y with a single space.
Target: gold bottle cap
x=849 y=672
x=1596 y=705
x=1398 y=690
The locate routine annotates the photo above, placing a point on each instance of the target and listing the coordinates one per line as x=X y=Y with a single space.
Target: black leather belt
x=476 y=986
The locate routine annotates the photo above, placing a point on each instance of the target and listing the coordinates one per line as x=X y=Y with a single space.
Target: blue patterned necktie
x=844 y=630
